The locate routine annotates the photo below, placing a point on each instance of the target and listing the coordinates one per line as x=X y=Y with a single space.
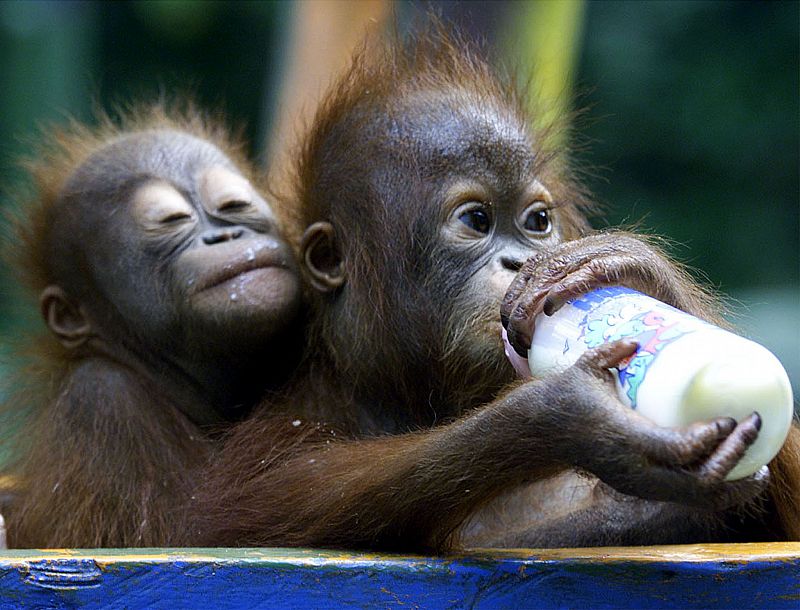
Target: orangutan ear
x=64 y=317
x=321 y=257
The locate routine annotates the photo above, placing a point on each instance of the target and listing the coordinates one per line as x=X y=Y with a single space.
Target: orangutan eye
x=477 y=220
x=158 y=208
x=234 y=205
x=538 y=221
x=175 y=218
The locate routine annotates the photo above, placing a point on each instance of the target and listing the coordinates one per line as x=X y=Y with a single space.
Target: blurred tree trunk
x=324 y=35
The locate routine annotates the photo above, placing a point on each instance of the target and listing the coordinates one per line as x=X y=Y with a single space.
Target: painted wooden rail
x=710 y=576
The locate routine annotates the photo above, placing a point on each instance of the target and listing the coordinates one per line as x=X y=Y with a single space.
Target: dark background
x=692 y=121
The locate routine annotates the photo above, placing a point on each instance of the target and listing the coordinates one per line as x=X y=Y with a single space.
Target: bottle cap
x=736 y=388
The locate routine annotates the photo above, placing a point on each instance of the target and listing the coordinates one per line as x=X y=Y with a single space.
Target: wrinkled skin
x=424 y=194
x=549 y=279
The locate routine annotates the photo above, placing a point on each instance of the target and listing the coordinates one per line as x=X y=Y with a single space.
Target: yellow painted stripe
x=775 y=551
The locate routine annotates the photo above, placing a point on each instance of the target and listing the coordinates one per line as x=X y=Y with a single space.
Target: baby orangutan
x=424 y=192
x=168 y=292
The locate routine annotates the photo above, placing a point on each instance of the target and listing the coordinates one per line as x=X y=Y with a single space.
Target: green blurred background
x=692 y=115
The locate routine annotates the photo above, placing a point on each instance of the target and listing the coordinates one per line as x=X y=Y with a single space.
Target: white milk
x=685 y=370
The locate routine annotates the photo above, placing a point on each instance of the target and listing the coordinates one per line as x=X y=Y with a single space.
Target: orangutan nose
x=215 y=236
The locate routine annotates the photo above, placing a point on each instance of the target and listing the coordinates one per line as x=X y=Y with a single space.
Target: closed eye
x=175 y=217
x=235 y=205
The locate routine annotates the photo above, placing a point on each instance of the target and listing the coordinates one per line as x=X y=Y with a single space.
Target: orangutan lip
x=233 y=270
x=231 y=273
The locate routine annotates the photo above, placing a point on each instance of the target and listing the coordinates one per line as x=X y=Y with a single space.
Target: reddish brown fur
x=353 y=455
x=101 y=453
x=785 y=485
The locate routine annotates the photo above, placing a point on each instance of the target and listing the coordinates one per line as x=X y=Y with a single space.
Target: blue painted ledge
x=709 y=576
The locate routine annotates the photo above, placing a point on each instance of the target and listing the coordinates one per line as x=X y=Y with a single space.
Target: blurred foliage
x=697 y=117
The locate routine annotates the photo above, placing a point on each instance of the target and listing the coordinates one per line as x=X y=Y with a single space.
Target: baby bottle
x=685 y=370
